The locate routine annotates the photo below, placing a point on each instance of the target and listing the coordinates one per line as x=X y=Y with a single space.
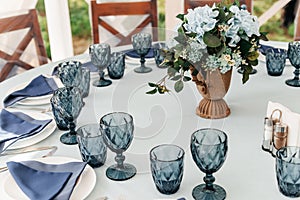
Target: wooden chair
x=297 y=25
x=100 y=10
x=195 y=3
x=24 y=21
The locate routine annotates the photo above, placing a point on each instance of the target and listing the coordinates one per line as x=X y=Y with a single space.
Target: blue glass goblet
x=209 y=150
x=100 y=57
x=141 y=43
x=275 y=61
x=294 y=57
x=67 y=102
x=70 y=73
x=84 y=85
x=117 y=130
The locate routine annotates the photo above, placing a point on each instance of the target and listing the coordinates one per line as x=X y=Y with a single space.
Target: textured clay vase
x=213 y=86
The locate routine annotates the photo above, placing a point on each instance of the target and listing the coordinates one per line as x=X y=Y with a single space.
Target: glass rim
x=214 y=129
x=113 y=113
x=285 y=148
x=89 y=124
x=181 y=153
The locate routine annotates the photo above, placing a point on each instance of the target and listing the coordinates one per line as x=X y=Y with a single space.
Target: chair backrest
x=148 y=8
x=195 y=3
x=297 y=24
x=14 y=23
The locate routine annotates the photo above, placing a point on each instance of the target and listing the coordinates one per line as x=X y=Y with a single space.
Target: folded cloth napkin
x=17 y=125
x=88 y=65
x=39 y=86
x=132 y=53
x=263 y=49
x=46 y=181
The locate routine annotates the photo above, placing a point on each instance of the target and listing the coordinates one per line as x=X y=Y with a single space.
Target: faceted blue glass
x=288 y=171
x=84 y=85
x=142 y=43
x=66 y=105
x=275 y=61
x=91 y=145
x=117 y=65
x=70 y=73
x=294 y=57
x=157 y=49
x=167 y=164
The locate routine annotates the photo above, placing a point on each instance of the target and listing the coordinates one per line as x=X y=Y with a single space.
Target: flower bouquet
x=210 y=42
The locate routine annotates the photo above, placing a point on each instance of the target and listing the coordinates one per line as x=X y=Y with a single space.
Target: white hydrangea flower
x=242 y=20
x=201 y=20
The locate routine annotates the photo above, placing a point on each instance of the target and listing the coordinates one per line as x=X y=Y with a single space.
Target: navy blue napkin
x=17 y=125
x=39 y=86
x=263 y=49
x=132 y=53
x=33 y=172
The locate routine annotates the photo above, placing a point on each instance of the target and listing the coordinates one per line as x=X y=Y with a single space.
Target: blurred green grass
x=81 y=29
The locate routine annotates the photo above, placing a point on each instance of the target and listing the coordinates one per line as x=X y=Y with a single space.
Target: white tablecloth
x=248 y=172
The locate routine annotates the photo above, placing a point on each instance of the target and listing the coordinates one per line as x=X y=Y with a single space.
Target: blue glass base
x=201 y=193
x=143 y=69
x=254 y=71
x=102 y=83
x=68 y=138
x=118 y=174
x=293 y=82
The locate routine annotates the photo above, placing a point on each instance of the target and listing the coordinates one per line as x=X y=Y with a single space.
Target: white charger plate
x=83 y=187
x=46 y=132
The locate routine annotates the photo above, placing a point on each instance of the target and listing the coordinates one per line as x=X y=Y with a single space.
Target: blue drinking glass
x=158 y=56
x=117 y=130
x=209 y=150
x=84 y=85
x=288 y=171
x=67 y=103
x=117 y=65
x=100 y=57
x=275 y=61
x=166 y=163
x=91 y=145
x=294 y=57
x=70 y=73
x=142 y=43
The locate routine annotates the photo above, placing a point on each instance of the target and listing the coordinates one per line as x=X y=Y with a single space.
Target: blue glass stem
x=101 y=75
x=143 y=60
x=72 y=127
x=209 y=179
x=120 y=160
x=296 y=72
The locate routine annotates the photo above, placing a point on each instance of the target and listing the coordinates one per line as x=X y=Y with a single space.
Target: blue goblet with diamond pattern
x=141 y=43
x=166 y=163
x=294 y=57
x=117 y=130
x=209 y=150
x=100 y=57
x=70 y=73
x=67 y=102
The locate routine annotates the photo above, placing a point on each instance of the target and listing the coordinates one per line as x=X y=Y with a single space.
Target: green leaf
x=263 y=36
x=180 y=16
x=222 y=15
x=195 y=72
x=178 y=86
x=229 y=16
x=176 y=78
x=186 y=78
x=152 y=84
x=211 y=40
x=152 y=91
x=245 y=77
x=245 y=46
x=252 y=56
x=171 y=71
x=253 y=62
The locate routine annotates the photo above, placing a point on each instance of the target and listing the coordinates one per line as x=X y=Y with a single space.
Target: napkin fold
x=17 y=125
x=55 y=181
x=132 y=53
x=39 y=86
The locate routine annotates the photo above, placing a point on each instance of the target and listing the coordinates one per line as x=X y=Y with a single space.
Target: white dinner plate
x=83 y=187
x=47 y=131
